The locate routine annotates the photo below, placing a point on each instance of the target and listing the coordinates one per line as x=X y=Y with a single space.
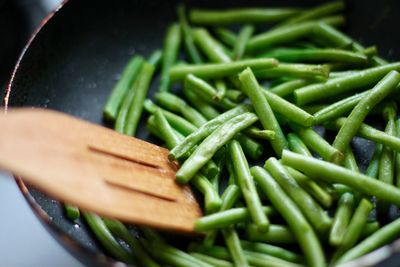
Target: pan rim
x=370 y=259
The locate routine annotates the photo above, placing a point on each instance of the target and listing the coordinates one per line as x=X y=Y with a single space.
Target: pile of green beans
x=243 y=111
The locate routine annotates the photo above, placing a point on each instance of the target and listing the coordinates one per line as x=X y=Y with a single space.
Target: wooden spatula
x=96 y=169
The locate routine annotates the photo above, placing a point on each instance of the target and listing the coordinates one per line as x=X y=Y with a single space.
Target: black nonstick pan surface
x=76 y=57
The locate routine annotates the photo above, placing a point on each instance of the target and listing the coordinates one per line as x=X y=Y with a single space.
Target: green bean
x=220 y=70
x=336 y=74
x=235 y=95
x=177 y=122
x=229 y=198
x=369 y=133
x=272 y=250
x=317 y=217
x=341 y=220
x=349 y=160
x=373 y=165
x=317 y=191
x=334 y=174
x=304 y=233
x=176 y=104
x=206 y=92
x=369 y=229
x=288 y=87
x=243 y=37
x=314 y=108
x=155 y=59
x=250 y=147
x=211 y=144
x=339 y=108
x=262 y=134
x=306 y=71
x=283 y=35
x=205 y=130
x=225 y=35
x=141 y=86
x=277 y=234
x=252 y=89
x=232 y=243
x=170 y=54
x=254 y=258
x=242 y=15
x=360 y=111
x=288 y=110
x=212 y=201
x=296 y=145
x=72 y=212
x=208 y=111
x=381 y=237
x=119 y=230
x=247 y=186
x=121 y=89
x=315 y=13
x=211 y=260
x=188 y=40
x=106 y=239
x=316 y=55
x=220 y=86
x=356 y=225
x=316 y=143
x=397 y=156
x=332 y=36
x=214 y=51
x=154 y=129
x=170 y=138
x=226 y=218
x=339 y=85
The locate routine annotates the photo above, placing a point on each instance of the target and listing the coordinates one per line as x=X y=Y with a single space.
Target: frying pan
x=77 y=55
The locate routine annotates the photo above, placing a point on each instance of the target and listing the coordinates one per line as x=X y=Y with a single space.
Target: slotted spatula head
x=96 y=168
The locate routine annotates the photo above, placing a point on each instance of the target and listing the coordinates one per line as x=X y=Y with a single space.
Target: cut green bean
x=356 y=225
x=369 y=133
x=247 y=186
x=272 y=250
x=226 y=218
x=335 y=174
x=277 y=234
x=188 y=40
x=243 y=37
x=373 y=165
x=208 y=111
x=119 y=230
x=205 y=130
x=141 y=86
x=220 y=86
x=211 y=144
x=212 y=201
x=72 y=212
x=316 y=143
x=360 y=111
x=331 y=36
x=170 y=138
x=206 y=92
x=305 y=71
x=235 y=95
x=349 y=160
x=296 y=145
x=321 y=194
x=315 y=13
x=318 y=218
x=155 y=59
x=288 y=110
x=226 y=36
x=343 y=84
x=120 y=90
x=251 y=147
x=220 y=70
x=304 y=233
x=232 y=242
x=341 y=220
x=214 y=51
x=170 y=54
x=252 y=89
x=211 y=260
x=106 y=238
x=242 y=15
x=381 y=237
x=339 y=108
x=262 y=134
x=288 y=87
